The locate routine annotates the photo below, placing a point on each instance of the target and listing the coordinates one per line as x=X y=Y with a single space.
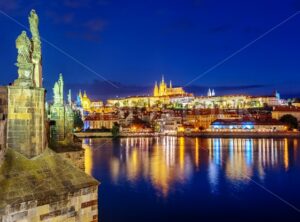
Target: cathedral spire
x=156 y=90
x=209 y=92
x=213 y=92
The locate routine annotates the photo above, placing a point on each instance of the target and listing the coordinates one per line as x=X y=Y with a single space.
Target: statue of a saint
x=70 y=98
x=36 y=48
x=56 y=93
x=23 y=45
x=34 y=23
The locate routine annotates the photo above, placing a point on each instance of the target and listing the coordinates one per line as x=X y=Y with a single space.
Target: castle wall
x=26 y=133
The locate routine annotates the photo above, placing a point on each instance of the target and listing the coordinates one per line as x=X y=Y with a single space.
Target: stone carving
x=24 y=64
x=36 y=48
x=23 y=45
x=58 y=91
x=34 y=23
x=61 y=113
x=70 y=98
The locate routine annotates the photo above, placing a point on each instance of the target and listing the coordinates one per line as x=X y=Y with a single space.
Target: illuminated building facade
x=203 y=118
x=84 y=103
x=242 y=125
x=100 y=121
x=237 y=101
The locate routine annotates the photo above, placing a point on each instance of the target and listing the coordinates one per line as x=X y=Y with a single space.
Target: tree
x=289 y=120
x=115 y=131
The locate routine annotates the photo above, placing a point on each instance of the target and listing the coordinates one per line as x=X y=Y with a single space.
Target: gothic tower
x=155 y=91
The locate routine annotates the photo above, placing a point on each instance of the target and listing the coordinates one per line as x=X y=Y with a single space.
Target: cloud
x=103 y=90
x=220 y=29
x=17 y=7
x=88 y=36
x=76 y=3
x=90 y=31
x=296 y=5
x=65 y=18
x=197 y=3
x=202 y=90
x=252 y=30
x=95 y=25
x=179 y=25
x=9 y=5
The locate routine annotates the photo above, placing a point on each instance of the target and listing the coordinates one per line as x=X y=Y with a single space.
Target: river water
x=195 y=179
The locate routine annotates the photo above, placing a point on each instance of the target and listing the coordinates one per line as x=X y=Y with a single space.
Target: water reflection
x=170 y=162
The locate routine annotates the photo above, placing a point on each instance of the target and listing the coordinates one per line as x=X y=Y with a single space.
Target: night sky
x=132 y=43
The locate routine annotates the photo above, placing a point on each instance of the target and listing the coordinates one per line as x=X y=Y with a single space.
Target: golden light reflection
x=286 y=154
x=238 y=166
x=88 y=157
x=167 y=162
x=197 y=152
x=115 y=169
x=181 y=152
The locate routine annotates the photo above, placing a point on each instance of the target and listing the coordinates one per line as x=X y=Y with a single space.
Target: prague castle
x=176 y=97
x=164 y=90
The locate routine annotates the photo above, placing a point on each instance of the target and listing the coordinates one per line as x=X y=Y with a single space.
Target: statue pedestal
x=26 y=131
x=23 y=82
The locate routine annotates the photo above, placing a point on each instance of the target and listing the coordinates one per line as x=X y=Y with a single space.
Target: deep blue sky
x=133 y=42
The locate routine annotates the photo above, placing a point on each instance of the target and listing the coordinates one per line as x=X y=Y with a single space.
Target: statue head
x=33 y=16
x=22 y=39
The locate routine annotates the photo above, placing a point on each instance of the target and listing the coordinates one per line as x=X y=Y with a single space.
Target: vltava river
x=195 y=179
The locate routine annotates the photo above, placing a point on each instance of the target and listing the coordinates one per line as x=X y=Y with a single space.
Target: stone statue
x=34 y=23
x=23 y=45
x=56 y=93
x=70 y=98
x=36 y=48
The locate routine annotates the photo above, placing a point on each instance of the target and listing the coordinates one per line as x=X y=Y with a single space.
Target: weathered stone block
x=26 y=117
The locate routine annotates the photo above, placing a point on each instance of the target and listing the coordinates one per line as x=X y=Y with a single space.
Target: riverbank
x=243 y=134
x=204 y=134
